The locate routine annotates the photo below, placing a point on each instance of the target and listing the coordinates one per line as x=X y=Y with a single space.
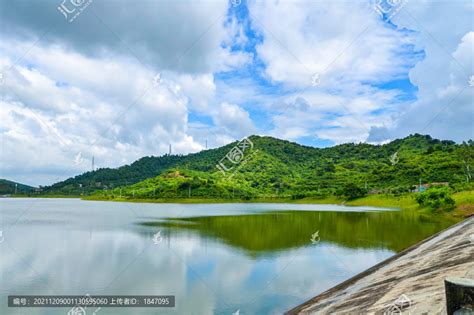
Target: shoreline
x=464 y=202
x=332 y=201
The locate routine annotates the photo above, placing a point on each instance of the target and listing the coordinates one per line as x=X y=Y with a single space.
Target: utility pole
x=16 y=188
x=92 y=163
x=206 y=144
x=154 y=189
x=170 y=149
x=189 y=191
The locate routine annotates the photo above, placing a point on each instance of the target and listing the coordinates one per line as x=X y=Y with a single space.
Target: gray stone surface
x=412 y=282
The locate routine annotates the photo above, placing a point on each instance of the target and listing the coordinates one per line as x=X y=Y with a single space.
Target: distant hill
x=279 y=167
x=8 y=187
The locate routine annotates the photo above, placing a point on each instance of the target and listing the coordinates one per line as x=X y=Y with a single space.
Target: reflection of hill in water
x=274 y=231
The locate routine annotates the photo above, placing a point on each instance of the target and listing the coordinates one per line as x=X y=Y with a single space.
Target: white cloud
x=445 y=105
x=86 y=87
x=200 y=89
x=341 y=42
x=113 y=116
x=233 y=120
x=354 y=52
x=350 y=48
x=166 y=36
x=346 y=116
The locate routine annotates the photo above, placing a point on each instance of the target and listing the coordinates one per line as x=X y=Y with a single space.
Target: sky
x=118 y=81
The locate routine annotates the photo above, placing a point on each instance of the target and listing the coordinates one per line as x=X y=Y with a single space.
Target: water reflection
x=259 y=263
x=267 y=233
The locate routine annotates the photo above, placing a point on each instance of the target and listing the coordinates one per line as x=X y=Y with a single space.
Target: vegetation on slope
x=9 y=187
x=282 y=169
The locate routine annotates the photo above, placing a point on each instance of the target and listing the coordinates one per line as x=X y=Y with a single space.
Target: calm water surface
x=215 y=258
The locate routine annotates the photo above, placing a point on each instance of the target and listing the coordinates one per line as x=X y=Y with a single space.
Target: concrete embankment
x=415 y=275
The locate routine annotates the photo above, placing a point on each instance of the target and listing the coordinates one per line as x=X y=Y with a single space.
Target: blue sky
x=317 y=73
x=254 y=73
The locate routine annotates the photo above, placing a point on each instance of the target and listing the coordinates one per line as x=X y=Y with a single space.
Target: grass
x=406 y=202
x=216 y=200
x=464 y=203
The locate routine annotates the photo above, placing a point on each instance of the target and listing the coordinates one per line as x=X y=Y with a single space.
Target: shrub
x=399 y=190
x=352 y=191
x=298 y=196
x=435 y=198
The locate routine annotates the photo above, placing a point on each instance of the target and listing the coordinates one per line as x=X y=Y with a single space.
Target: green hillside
x=8 y=187
x=275 y=167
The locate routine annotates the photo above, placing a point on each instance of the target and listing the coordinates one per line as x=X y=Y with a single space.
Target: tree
x=466 y=153
x=352 y=191
x=436 y=197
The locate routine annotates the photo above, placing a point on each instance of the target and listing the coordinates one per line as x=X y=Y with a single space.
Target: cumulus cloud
x=354 y=53
x=112 y=116
x=350 y=50
x=87 y=88
x=233 y=120
x=378 y=134
x=177 y=36
x=339 y=42
x=200 y=89
x=444 y=107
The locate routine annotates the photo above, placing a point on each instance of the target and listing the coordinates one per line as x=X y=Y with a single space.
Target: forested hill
x=8 y=187
x=279 y=166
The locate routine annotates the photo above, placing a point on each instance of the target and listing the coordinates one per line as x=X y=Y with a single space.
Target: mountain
x=8 y=187
x=278 y=167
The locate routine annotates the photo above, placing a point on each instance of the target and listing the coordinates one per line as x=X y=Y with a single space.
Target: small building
x=421 y=188
x=424 y=187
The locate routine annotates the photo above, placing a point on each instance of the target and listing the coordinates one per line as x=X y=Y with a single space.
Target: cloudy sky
x=119 y=80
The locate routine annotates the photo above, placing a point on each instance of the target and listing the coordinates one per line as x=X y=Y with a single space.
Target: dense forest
x=277 y=168
x=8 y=187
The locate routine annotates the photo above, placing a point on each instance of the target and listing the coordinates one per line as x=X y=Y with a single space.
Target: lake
x=215 y=258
